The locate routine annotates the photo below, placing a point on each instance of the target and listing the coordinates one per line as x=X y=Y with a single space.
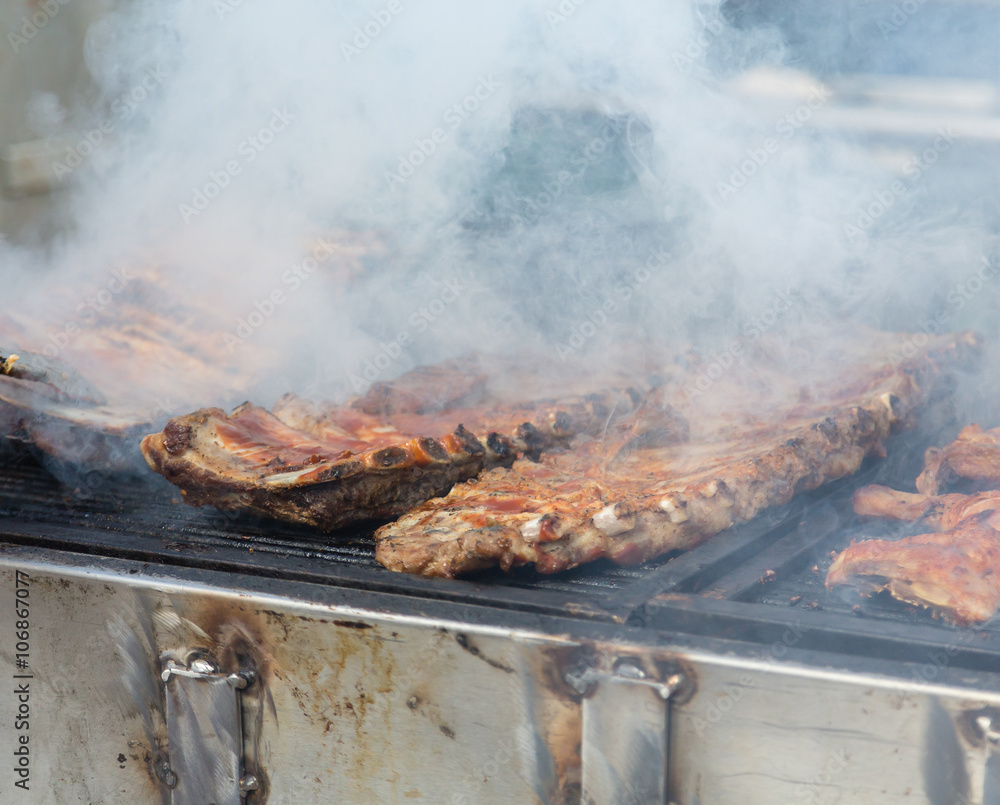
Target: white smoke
x=311 y=195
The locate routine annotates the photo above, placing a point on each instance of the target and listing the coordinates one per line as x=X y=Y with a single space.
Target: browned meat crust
x=251 y=460
x=954 y=572
x=754 y=441
x=975 y=454
x=328 y=466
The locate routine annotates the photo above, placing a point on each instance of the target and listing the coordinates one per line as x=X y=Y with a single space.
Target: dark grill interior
x=751 y=583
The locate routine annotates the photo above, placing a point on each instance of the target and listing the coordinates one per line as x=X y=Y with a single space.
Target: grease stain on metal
x=465 y=643
x=353 y=624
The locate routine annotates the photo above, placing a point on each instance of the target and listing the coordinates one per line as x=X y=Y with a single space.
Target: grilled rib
x=953 y=572
x=753 y=443
x=975 y=455
x=328 y=466
x=939 y=512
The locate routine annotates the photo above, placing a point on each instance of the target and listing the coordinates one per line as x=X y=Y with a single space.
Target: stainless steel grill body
x=362 y=703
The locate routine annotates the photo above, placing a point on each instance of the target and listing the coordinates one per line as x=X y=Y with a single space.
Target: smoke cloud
x=309 y=196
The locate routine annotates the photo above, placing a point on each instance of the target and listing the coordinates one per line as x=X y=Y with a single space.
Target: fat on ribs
x=375 y=457
x=756 y=437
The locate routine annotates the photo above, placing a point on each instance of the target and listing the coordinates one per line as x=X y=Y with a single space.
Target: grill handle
x=206 y=761
x=626 y=728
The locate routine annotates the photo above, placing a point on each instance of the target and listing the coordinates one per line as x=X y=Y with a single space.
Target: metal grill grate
x=752 y=583
x=142 y=518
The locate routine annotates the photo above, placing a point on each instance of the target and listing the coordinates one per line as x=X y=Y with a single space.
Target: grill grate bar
x=797 y=548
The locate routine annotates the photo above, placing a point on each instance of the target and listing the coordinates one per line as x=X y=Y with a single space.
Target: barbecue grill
x=725 y=674
x=154 y=653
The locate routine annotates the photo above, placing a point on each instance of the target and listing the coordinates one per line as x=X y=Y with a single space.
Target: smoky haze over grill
x=313 y=196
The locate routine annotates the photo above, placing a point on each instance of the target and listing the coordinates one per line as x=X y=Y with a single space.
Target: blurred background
x=896 y=72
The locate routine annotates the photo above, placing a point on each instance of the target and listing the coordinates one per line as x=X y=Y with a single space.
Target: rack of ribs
x=49 y=405
x=938 y=512
x=376 y=456
x=759 y=434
